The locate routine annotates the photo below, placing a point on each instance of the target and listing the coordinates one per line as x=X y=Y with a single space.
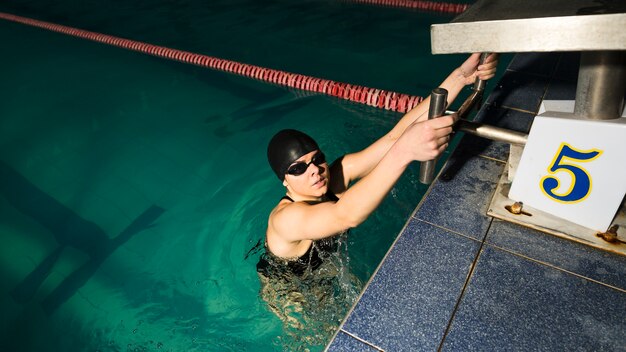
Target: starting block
x=571 y=178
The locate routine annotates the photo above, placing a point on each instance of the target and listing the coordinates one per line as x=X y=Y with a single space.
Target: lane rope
x=379 y=98
x=433 y=6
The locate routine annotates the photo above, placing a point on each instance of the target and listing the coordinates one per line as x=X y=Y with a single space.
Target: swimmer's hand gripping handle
x=479 y=85
x=437 y=108
x=476 y=97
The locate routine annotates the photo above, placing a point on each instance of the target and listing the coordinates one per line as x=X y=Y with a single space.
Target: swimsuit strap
x=330 y=195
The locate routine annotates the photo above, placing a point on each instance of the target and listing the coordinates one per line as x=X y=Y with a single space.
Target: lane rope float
x=379 y=98
x=433 y=6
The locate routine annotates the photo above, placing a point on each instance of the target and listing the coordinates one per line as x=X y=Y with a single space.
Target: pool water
x=134 y=189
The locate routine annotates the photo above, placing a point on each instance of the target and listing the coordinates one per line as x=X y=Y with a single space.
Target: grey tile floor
x=458 y=280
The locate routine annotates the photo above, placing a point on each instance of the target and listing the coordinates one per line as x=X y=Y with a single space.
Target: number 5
x=580 y=186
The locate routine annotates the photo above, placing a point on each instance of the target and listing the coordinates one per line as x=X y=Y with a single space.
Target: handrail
x=492 y=132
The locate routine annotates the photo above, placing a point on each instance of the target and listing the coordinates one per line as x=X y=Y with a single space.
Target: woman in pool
x=320 y=204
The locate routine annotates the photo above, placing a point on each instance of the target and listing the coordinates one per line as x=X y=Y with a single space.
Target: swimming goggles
x=300 y=167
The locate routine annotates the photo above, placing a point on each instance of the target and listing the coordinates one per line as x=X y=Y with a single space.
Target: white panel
x=557 y=131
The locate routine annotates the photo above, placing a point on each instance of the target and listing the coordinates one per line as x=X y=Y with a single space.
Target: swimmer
x=319 y=202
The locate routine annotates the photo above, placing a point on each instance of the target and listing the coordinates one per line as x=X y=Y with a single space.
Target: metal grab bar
x=477 y=94
x=480 y=129
x=438 y=102
x=484 y=130
x=437 y=108
x=492 y=132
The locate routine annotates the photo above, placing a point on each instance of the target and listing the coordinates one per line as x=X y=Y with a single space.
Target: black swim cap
x=286 y=147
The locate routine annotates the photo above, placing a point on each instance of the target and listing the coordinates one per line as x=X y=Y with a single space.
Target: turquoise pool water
x=134 y=188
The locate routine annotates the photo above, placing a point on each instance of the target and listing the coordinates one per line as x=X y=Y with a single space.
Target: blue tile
x=485 y=147
x=542 y=64
x=561 y=90
x=346 y=343
x=568 y=66
x=515 y=304
x=587 y=261
x=460 y=197
x=409 y=301
x=505 y=118
x=519 y=91
x=500 y=117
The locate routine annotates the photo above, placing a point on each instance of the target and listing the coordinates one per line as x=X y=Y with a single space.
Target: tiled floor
x=458 y=280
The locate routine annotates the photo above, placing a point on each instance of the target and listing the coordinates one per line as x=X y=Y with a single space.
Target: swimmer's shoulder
x=281 y=225
x=284 y=215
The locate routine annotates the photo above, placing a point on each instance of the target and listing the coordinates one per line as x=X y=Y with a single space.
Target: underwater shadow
x=69 y=230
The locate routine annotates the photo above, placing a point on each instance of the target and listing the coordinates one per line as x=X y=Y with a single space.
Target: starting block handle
x=437 y=108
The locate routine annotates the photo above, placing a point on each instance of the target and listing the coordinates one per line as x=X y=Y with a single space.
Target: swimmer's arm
x=357 y=165
x=299 y=221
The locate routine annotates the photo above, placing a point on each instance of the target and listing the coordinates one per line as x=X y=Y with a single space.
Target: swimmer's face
x=308 y=175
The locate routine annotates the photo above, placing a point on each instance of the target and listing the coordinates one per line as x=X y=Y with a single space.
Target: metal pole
x=601 y=85
x=476 y=96
x=492 y=132
x=437 y=108
x=480 y=85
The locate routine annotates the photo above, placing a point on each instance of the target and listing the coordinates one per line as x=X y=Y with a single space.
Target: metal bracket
x=551 y=224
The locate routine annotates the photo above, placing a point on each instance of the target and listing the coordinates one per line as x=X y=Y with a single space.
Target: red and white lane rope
x=370 y=96
x=433 y=6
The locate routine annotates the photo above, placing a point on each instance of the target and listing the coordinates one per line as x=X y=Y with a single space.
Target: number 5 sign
x=573 y=168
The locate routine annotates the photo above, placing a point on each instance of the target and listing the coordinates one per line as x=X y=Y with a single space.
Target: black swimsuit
x=270 y=265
